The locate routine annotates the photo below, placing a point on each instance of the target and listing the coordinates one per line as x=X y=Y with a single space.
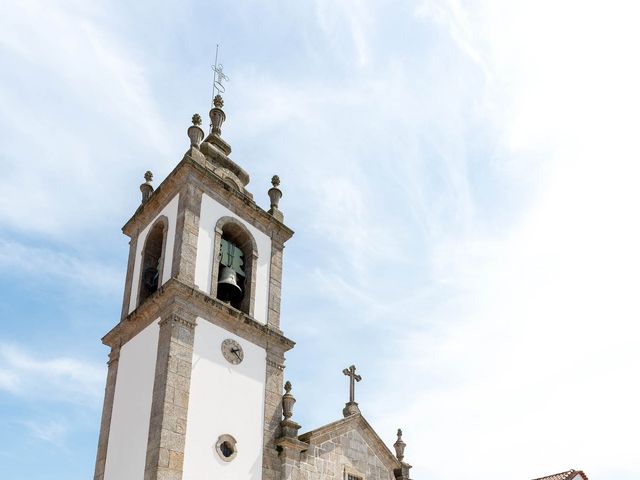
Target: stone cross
x=353 y=377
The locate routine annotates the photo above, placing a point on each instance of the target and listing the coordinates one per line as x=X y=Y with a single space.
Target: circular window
x=226 y=447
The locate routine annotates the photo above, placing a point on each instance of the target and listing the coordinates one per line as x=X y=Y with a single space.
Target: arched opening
x=152 y=260
x=233 y=276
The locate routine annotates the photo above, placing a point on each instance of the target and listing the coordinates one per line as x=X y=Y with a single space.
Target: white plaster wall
x=171 y=212
x=224 y=399
x=210 y=212
x=127 y=447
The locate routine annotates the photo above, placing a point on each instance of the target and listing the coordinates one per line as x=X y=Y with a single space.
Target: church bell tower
x=194 y=383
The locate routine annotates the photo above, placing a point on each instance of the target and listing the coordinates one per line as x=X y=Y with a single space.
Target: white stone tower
x=195 y=371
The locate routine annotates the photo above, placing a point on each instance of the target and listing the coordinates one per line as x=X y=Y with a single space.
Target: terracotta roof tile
x=569 y=475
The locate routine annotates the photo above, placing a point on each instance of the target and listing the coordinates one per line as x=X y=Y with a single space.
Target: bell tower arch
x=152 y=256
x=195 y=369
x=235 y=255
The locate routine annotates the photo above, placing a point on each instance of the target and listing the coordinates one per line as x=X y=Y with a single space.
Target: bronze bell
x=150 y=278
x=228 y=288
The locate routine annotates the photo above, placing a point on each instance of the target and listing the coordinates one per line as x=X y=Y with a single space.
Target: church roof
x=353 y=422
x=569 y=475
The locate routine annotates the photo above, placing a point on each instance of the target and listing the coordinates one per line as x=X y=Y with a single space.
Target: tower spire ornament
x=218 y=77
x=194 y=132
x=275 y=194
x=216 y=114
x=289 y=427
x=399 y=446
x=351 y=407
x=288 y=443
x=401 y=473
x=147 y=188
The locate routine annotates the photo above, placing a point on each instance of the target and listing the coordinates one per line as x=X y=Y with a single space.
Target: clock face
x=232 y=351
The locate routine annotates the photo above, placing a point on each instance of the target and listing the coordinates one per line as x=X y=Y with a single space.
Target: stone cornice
x=114 y=355
x=274 y=364
x=292 y=443
x=186 y=302
x=244 y=205
x=187 y=322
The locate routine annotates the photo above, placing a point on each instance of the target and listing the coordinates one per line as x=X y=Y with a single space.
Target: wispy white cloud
x=9 y=381
x=60 y=379
x=66 y=50
x=506 y=328
x=50 y=431
x=454 y=17
x=333 y=14
x=538 y=344
x=71 y=42
x=509 y=329
x=46 y=264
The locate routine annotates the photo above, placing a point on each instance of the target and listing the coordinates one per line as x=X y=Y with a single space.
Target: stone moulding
x=358 y=422
x=189 y=171
x=224 y=161
x=114 y=355
x=179 y=320
x=277 y=365
x=188 y=302
x=350 y=470
x=292 y=443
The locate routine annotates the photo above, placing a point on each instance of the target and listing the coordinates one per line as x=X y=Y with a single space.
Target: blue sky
x=461 y=176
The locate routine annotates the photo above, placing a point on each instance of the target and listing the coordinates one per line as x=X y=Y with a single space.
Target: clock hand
x=236 y=350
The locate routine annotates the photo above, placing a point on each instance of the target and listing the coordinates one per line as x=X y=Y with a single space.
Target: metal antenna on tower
x=218 y=78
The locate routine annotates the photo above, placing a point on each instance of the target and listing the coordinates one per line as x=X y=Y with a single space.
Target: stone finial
x=287 y=401
x=288 y=443
x=399 y=446
x=289 y=427
x=195 y=133
x=146 y=188
x=275 y=194
x=217 y=116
